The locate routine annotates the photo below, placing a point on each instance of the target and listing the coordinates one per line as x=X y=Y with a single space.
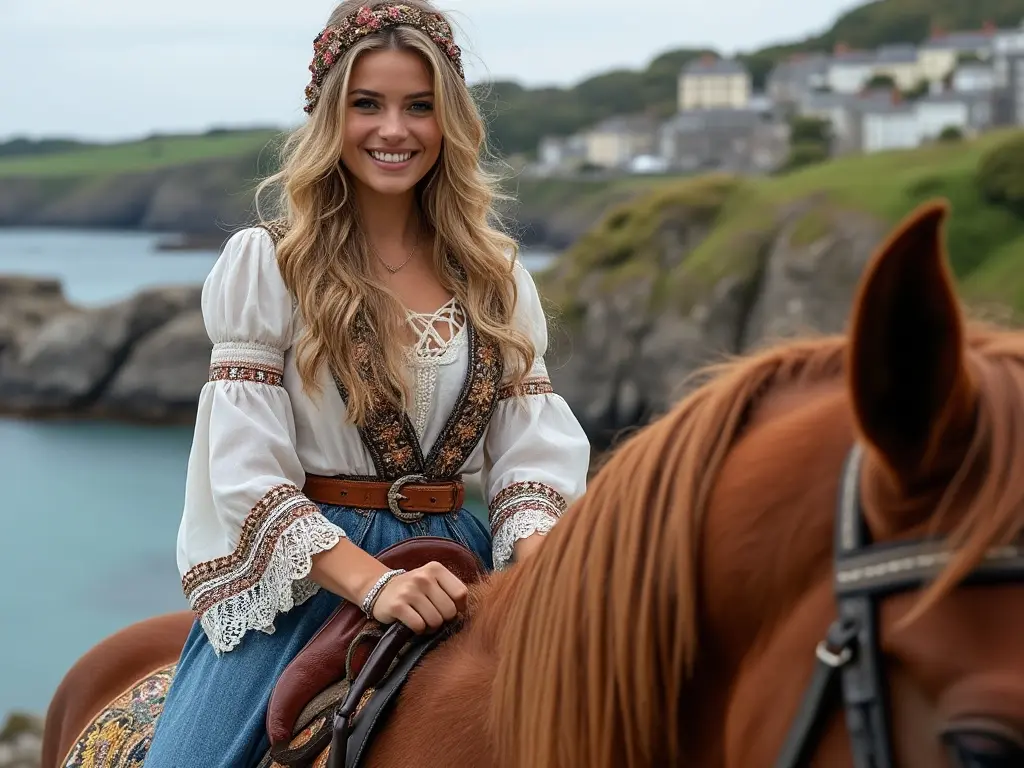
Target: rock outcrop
x=21 y=741
x=141 y=359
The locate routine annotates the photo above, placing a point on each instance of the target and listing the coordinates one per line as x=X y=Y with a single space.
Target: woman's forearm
x=347 y=571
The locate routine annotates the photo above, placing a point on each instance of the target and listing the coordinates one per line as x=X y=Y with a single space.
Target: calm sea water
x=90 y=510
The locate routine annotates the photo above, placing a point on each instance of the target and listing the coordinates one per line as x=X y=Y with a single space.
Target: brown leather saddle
x=350 y=649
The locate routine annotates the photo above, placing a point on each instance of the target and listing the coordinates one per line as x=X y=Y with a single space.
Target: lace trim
x=519 y=526
x=435 y=346
x=518 y=511
x=437 y=331
x=267 y=572
x=247 y=353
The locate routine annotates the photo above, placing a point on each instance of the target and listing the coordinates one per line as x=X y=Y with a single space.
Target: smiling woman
x=371 y=345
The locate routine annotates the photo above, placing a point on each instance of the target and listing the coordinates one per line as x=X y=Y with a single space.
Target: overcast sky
x=107 y=69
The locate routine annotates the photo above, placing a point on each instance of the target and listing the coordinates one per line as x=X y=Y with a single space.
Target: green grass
x=986 y=242
x=147 y=154
x=811 y=227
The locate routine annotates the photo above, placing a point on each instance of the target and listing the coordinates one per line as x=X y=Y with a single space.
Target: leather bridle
x=849 y=668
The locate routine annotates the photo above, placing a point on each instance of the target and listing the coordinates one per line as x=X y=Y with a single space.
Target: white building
x=974 y=78
x=791 y=80
x=850 y=70
x=558 y=153
x=936 y=113
x=843 y=112
x=891 y=127
x=1008 y=64
x=908 y=125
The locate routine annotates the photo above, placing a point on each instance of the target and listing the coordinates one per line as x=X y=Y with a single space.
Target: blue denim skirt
x=216 y=708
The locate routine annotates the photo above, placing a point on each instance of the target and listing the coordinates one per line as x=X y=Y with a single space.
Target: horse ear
x=911 y=391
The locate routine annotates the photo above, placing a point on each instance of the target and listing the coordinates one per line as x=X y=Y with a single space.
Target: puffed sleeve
x=536 y=454
x=247 y=533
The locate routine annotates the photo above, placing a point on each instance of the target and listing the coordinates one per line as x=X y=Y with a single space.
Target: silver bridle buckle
x=395 y=495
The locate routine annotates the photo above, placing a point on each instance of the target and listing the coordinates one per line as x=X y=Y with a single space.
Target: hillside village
x=898 y=96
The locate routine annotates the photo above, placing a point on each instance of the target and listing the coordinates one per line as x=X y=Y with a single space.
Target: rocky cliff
x=660 y=289
x=198 y=198
x=656 y=290
x=205 y=199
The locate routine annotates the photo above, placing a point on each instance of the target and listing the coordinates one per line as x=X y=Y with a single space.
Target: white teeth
x=390 y=157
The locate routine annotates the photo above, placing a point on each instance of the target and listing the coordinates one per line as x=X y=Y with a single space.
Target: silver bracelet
x=375 y=590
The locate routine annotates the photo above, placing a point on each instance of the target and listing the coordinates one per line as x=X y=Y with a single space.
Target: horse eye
x=980 y=746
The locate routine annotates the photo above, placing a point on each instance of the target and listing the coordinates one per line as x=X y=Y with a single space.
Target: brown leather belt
x=408 y=498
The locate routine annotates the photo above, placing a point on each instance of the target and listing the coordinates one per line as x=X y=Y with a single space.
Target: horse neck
x=768 y=536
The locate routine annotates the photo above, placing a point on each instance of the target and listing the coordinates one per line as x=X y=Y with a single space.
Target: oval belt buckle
x=395 y=495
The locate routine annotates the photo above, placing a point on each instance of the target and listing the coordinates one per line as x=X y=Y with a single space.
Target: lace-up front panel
x=439 y=337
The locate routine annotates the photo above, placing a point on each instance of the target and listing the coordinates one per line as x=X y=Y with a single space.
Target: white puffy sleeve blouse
x=536 y=454
x=248 y=534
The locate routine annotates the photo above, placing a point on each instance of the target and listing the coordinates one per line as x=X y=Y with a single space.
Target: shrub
x=1000 y=174
x=951 y=134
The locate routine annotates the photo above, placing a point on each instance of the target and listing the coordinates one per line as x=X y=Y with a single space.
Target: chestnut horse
x=673 y=616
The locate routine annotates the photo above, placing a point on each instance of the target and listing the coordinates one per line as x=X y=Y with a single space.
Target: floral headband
x=330 y=44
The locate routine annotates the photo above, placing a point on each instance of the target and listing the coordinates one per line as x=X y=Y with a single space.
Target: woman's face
x=392 y=136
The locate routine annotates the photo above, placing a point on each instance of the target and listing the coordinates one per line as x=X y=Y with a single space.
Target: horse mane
x=600 y=634
x=576 y=684
x=988 y=486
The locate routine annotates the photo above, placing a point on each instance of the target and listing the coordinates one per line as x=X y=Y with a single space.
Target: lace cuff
x=520 y=510
x=267 y=572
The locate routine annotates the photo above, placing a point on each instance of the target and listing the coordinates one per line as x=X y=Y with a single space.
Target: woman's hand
x=423 y=598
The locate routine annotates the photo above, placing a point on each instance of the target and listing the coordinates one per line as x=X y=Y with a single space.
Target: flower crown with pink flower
x=330 y=44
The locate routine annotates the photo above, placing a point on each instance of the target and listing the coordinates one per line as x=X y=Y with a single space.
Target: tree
x=810 y=142
x=810 y=130
x=880 y=82
x=951 y=134
x=918 y=91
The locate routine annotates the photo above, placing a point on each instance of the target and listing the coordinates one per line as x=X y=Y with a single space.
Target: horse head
x=686 y=610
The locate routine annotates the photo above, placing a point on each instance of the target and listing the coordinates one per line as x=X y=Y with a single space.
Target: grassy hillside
x=144 y=155
x=986 y=242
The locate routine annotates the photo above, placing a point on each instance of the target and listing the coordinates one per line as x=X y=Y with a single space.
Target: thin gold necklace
x=388 y=267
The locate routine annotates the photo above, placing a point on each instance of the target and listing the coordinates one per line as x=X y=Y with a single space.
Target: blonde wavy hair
x=324 y=256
